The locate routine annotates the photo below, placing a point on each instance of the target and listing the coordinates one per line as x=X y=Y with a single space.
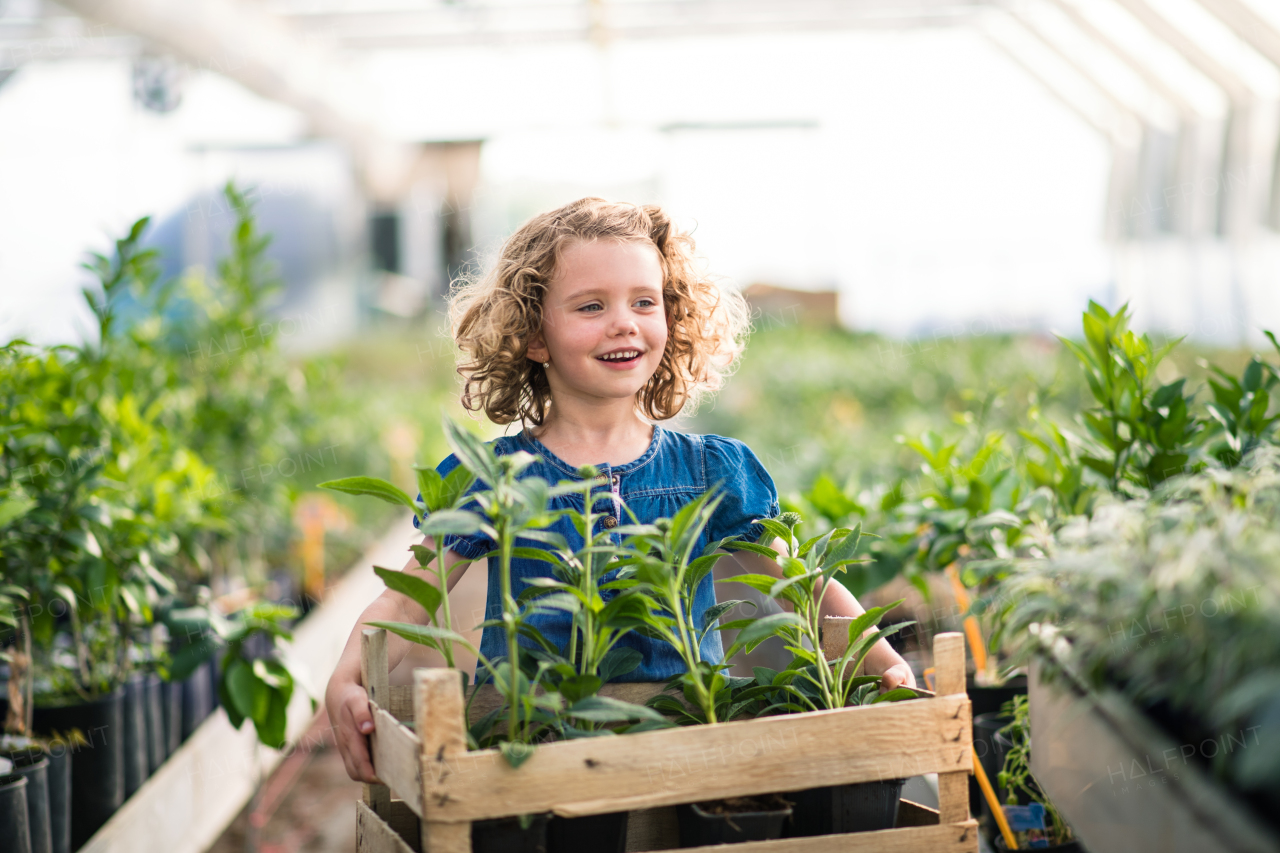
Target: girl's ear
x=537 y=350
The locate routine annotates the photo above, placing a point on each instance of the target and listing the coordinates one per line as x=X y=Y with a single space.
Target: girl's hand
x=348 y=707
x=898 y=675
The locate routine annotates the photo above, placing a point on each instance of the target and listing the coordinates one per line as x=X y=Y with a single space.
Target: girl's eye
x=646 y=302
x=594 y=306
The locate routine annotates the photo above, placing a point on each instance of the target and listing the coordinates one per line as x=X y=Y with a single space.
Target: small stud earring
x=546 y=364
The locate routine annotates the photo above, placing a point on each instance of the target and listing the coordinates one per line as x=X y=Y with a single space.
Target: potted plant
x=1152 y=627
x=812 y=682
x=1030 y=814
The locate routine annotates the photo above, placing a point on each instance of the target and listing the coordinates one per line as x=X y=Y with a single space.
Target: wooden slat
x=948 y=662
x=915 y=814
x=396 y=752
x=373 y=665
x=373 y=675
x=440 y=715
x=835 y=636
x=373 y=835
x=786 y=753
x=953 y=797
x=953 y=787
x=953 y=838
x=487 y=698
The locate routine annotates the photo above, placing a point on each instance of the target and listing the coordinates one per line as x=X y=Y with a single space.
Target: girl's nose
x=622 y=323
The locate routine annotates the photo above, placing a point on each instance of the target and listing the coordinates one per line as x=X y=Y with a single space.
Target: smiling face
x=604 y=329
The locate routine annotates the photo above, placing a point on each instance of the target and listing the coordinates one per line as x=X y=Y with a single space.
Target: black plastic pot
x=60 y=797
x=601 y=833
x=135 y=733
x=990 y=755
x=505 y=835
x=837 y=809
x=34 y=766
x=14 y=828
x=156 y=752
x=988 y=700
x=197 y=699
x=699 y=828
x=97 y=770
x=171 y=707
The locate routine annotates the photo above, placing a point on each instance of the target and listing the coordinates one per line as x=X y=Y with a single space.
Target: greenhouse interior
x=792 y=532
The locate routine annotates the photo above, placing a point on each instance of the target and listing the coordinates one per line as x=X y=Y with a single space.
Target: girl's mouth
x=621 y=358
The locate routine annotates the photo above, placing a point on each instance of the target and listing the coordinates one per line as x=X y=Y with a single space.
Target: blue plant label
x=1028 y=819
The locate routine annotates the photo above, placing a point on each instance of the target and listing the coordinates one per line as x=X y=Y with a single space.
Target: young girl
x=593 y=326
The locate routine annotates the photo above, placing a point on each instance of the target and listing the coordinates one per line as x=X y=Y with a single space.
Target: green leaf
x=515 y=753
x=15 y=508
x=426 y=635
x=271 y=731
x=1252 y=379
x=252 y=698
x=765 y=627
x=761 y=583
x=828 y=499
x=714 y=613
x=374 y=486
x=427 y=595
x=605 y=709
x=450 y=522
x=898 y=694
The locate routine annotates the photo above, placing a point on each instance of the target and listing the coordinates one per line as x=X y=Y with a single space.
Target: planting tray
x=1124 y=785
x=440 y=788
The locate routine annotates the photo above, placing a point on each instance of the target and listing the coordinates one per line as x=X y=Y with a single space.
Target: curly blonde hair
x=494 y=316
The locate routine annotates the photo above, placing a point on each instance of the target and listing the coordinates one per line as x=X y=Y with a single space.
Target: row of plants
x=551 y=693
x=1153 y=499
x=148 y=483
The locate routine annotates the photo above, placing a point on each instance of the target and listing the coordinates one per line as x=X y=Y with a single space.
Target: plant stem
x=446 y=646
x=508 y=619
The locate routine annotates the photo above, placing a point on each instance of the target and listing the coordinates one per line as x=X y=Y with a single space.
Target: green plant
x=439 y=515
x=1015 y=777
x=1241 y=407
x=811 y=682
x=1145 y=432
x=1171 y=601
x=257 y=679
x=664 y=572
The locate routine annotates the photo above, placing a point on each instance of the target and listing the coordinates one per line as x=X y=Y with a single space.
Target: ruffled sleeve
x=472 y=546
x=749 y=492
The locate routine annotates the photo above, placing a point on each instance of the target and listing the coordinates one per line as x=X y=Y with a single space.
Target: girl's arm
x=345 y=697
x=881 y=660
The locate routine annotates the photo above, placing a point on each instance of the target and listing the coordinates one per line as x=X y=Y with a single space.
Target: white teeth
x=620 y=356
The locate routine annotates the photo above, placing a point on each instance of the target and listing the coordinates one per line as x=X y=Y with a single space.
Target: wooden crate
x=1126 y=786
x=440 y=788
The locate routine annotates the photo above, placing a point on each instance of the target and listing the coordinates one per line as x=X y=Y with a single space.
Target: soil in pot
x=601 y=833
x=97 y=768
x=171 y=707
x=156 y=746
x=14 y=828
x=60 y=797
x=197 y=699
x=34 y=766
x=506 y=835
x=732 y=820
x=135 y=733
x=837 y=809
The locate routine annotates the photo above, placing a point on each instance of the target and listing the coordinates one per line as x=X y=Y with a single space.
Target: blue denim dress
x=675 y=469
